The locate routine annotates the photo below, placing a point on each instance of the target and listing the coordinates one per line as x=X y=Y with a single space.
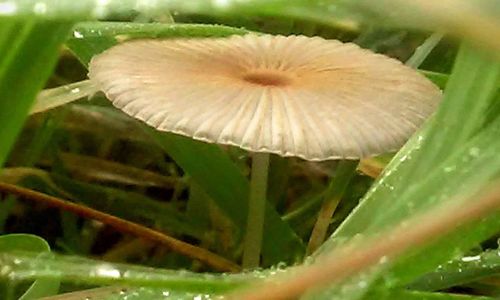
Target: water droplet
x=221 y=3
x=40 y=8
x=122 y=38
x=383 y=260
x=474 y=151
x=8 y=8
x=471 y=258
x=450 y=169
x=107 y=271
x=101 y=8
x=5 y=270
x=77 y=34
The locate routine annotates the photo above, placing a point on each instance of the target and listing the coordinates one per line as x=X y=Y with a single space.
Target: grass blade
x=28 y=52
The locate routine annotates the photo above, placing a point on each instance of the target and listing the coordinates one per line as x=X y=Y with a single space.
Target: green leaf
x=459 y=271
x=399 y=294
x=83 y=9
x=26 y=242
x=91 y=38
x=28 y=52
x=25 y=266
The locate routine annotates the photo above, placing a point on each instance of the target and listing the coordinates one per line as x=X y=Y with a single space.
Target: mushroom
x=296 y=96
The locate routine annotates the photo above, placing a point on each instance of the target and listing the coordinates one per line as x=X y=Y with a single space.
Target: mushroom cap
x=293 y=96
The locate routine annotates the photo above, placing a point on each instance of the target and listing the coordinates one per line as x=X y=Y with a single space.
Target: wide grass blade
x=26 y=242
x=28 y=52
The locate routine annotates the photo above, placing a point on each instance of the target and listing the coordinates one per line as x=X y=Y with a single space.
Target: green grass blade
x=471 y=86
x=26 y=60
x=26 y=242
x=91 y=38
x=25 y=266
x=399 y=294
x=460 y=271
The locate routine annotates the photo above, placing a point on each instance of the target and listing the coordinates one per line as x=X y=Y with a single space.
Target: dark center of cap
x=266 y=78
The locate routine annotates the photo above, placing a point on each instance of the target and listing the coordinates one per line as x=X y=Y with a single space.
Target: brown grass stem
x=213 y=260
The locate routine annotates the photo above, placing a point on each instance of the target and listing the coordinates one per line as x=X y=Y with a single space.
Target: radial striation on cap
x=293 y=96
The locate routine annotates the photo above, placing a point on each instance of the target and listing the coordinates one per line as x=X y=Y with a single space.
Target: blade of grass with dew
x=79 y=10
x=113 y=293
x=25 y=266
x=124 y=293
x=208 y=165
x=91 y=38
x=389 y=202
x=460 y=271
x=398 y=294
x=26 y=242
x=28 y=53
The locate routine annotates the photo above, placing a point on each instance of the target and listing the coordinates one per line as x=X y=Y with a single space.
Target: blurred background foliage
x=91 y=154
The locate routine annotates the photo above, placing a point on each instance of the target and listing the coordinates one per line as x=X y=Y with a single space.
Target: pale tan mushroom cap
x=293 y=96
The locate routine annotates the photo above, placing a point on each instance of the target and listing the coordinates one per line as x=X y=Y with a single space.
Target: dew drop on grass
x=8 y=8
x=449 y=169
x=40 y=8
x=221 y=3
x=474 y=151
x=471 y=258
x=106 y=271
x=383 y=260
x=77 y=34
x=5 y=270
x=101 y=8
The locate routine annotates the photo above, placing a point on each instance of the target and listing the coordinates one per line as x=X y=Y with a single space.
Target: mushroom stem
x=256 y=210
x=331 y=198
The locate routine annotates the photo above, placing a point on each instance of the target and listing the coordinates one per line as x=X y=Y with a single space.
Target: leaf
x=83 y=9
x=91 y=38
x=26 y=242
x=25 y=265
x=28 y=52
x=460 y=271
